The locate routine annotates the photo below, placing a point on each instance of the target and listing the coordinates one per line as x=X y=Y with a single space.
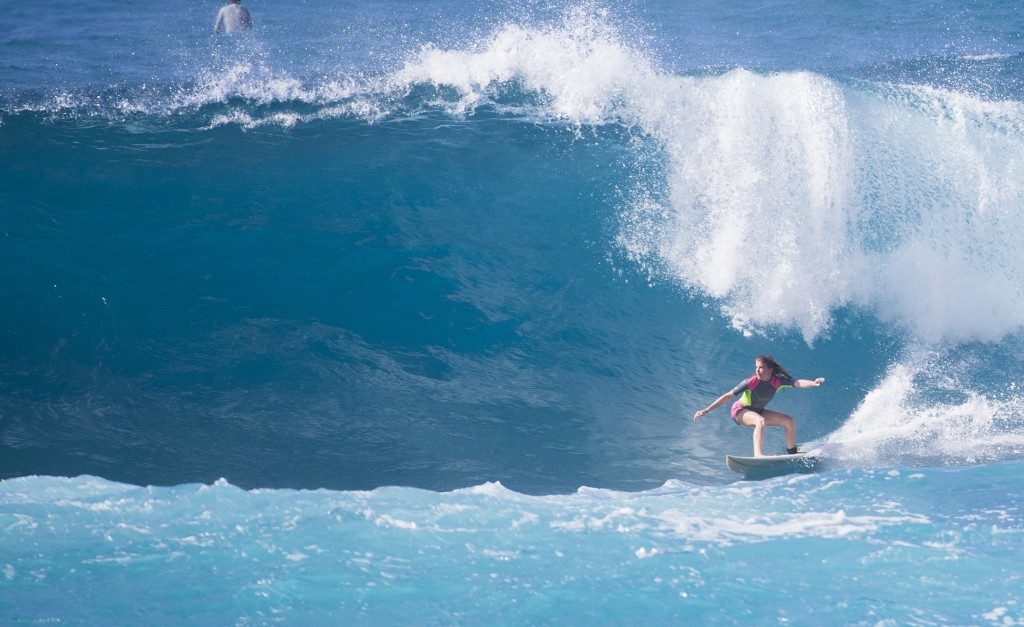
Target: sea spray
x=930 y=409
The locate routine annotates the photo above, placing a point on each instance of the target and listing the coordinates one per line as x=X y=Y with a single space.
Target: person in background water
x=232 y=17
x=769 y=377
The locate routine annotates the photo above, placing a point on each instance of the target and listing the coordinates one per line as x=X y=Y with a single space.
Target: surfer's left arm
x=807 y=383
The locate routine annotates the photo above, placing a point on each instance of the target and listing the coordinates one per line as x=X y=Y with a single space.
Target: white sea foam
x=900 y=204
x=580 y=67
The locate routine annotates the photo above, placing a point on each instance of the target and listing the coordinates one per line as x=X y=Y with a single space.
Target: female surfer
x=769 y=377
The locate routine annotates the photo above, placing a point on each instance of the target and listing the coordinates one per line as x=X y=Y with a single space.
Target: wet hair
x=776 y=367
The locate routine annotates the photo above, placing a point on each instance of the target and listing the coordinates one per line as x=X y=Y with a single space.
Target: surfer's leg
x=757 y=421
x=778 y=419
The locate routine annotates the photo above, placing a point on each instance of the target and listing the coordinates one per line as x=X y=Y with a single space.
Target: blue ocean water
x=398 y=312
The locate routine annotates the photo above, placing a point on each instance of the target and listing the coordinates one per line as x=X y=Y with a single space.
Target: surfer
x=769 y=377
x=232 y=17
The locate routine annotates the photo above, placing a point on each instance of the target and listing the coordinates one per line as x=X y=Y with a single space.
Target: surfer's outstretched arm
x=807 y=383
x=721 y=400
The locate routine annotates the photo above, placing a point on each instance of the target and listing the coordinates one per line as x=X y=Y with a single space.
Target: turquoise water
x=845 y=547
x=400 y=314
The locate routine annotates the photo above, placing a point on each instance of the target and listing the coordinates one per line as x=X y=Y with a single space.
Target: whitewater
x=399 y=313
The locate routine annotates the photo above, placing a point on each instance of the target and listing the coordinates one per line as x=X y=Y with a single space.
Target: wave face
x=512 y=247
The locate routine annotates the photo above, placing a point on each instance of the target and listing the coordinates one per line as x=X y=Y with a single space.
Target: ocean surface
x=398 y=312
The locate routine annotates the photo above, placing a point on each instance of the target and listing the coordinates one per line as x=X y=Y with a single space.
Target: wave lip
x=581 y=68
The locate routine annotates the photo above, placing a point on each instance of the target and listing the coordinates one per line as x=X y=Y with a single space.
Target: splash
x=920 y=415
x=792 y=195
x=752 y=215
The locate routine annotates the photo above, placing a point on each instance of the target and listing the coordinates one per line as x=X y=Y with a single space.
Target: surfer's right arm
x=721 y=400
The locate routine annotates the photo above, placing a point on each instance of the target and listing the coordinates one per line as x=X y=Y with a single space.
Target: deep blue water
x=399 y=312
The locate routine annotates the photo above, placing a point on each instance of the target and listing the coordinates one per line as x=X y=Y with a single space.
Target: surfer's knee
x=753 y=419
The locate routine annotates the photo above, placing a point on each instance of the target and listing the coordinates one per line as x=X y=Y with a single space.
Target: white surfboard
x=773 y=464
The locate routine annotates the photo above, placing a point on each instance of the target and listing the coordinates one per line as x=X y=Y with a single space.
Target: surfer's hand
x=819 y=381
x=700 y=412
